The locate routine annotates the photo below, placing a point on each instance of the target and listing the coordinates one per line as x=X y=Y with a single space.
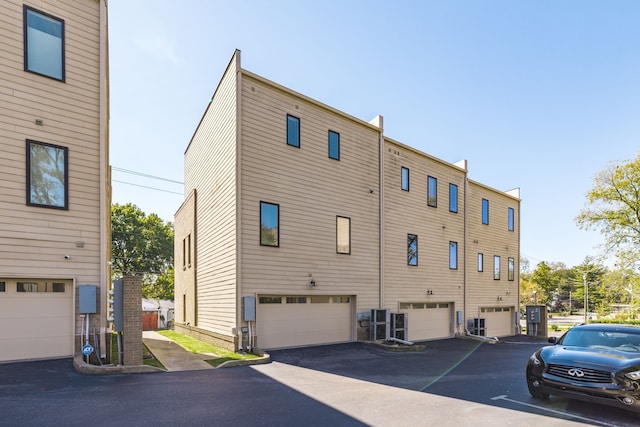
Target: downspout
x=380 y=124
x=466 y=250
x=238 y=193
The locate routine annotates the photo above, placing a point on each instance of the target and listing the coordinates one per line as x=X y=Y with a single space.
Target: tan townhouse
x=303 y=225
x=54 y=192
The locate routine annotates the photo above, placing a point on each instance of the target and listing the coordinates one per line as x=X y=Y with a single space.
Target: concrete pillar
x=132 y=321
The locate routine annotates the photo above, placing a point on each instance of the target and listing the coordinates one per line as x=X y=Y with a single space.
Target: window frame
x=29 y=181
x=404 y=178
x=25 y=21
x=330 y=143
x=453 y=198
x=496 y=267
x=480 y=262
x=338 y=221
x=485 y=211
x=511 y=272
x=453 y=255
x=412 y=262
x=510 y=219
x=262 y=241
x=432 y=191
x=290 y=134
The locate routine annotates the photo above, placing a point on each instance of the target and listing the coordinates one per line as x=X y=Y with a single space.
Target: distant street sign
x=87 y=349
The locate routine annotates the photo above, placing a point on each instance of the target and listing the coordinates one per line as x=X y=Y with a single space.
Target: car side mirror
x=553 y=340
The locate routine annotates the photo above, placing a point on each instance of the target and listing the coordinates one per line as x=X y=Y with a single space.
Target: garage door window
x=39 y=287
x=270 y=300
x=3 y=287
x=296 y=300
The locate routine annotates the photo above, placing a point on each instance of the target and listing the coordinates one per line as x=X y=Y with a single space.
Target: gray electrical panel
x=87 y=303
x=249 y=309
x=118 y=307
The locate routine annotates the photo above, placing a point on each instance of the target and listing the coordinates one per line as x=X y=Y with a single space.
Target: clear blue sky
x=539 y=95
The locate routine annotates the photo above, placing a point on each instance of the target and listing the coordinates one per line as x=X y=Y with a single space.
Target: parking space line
x=578 y=417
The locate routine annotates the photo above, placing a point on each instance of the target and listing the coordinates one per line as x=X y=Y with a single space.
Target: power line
x=144 y=175
x=144 y=186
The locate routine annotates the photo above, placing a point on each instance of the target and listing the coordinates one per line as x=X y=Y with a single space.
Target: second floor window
x=412 y=249
x=480 y=262
x=269 y=224
x=496 y=267
x=512 y=269
x=343 y=235
x=453 y=255
x=293 y=131
x=43 y=44
x=453 y=198
x=432 y=191
x=485 y=211
x=47 y=175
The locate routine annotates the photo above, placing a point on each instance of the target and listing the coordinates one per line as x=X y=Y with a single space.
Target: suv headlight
x=633 y=375
x=534 y=360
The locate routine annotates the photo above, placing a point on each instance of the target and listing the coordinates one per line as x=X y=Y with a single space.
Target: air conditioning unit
x=399 y=325
x=379 y=324
x=477 y=326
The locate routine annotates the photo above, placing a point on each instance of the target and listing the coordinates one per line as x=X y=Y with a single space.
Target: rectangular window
x=480 y=262
x=40 y=287
x=270 y=300
x=510 y=219
x=343 y=235
x=293 y=131
x=26 y=287
x=184 y=254
x=47 y=175
x=453 y=198
x=3 y=287
x=432 y=191
x=43 y=44
x=189 y=250
x=485 y=211
x=512 y=269
x=496 y=267
x=404 y=180
x=296 y=300
x=334 y=145
x=412 y=249
x=269 y=224
x=453 y=255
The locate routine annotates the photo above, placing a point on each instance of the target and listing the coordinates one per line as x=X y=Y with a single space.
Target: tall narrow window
x=334 y=145
x=269 y=224
x=3 y=287
x=404 y=178
x=184 y=254
x=43 y=44
x=343 y=235
x=453 y=255
x=510 y=219
x=453 y=198
x=512 y=269
x=293 y=131
x=485 y=211
x=480 y=262
x=189 y=250
x=412 y=249
x=496 y=267
x=432 y=191
x=47 y=175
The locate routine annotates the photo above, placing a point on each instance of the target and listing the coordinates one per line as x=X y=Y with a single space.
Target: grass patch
x=147 y=357
x=219 y=355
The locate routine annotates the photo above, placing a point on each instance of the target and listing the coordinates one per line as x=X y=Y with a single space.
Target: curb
x=85 y=368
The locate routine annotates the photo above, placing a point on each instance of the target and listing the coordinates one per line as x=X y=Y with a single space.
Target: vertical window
x=47 y=175
x=184 y=254
x=189 y=250
x=43 y=44
x=432 y=191
x=480 y=262
x=512 y=269
x=453 y=255
x=496 y=267
x=334 y=145
x=510 y=219
x=485 y=211
x=453 y=198
x=412 y=249
x=343 y=235
x=404 y=178
x=269 y=224
x=3 y=287
x=293 y=131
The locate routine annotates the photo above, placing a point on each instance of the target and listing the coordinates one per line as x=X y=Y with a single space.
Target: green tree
x=142 y=245
x=614 y=209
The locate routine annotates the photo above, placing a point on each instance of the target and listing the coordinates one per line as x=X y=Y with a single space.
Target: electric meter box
x=87 y=303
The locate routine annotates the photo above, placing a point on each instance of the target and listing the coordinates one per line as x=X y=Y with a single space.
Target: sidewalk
x=173 y=356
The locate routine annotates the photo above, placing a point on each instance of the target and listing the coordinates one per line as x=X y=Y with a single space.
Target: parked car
x=592 y=362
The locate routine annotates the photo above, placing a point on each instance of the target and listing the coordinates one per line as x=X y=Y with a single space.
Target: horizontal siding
x=34 y=240
x=311 y=190
x=408 y=213
x=210 y=168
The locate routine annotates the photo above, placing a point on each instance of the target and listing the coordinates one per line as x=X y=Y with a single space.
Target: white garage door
x=294 y=321
x=36 y=318
x=428 y=321
x=499 y=321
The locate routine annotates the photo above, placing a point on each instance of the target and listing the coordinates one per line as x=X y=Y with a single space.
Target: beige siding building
x=297 y=224
x=54 y=197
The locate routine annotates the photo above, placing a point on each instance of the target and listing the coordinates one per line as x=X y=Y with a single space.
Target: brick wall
x=132 y=310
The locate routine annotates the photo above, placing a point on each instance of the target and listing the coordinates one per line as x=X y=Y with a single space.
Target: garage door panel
x=499 y=322
x=429 y=323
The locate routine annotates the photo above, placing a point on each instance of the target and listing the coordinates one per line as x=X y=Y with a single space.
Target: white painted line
x=505 y=397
